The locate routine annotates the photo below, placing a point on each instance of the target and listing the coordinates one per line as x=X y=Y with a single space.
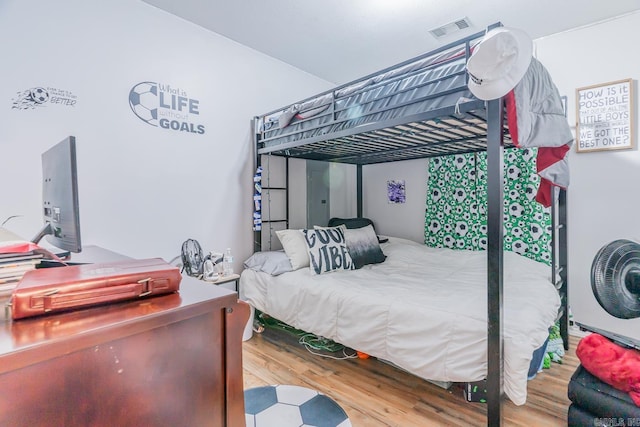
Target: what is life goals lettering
x=605 y=116
x=166 y=106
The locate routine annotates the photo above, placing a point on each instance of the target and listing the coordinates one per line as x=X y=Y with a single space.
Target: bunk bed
x=420 y=108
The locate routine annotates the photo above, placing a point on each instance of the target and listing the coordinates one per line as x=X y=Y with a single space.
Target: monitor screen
x=60 y=197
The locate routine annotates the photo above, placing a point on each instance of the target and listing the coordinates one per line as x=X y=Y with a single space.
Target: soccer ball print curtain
x=456 y=211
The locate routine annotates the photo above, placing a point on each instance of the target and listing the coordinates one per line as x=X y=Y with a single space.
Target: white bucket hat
x=499 y=62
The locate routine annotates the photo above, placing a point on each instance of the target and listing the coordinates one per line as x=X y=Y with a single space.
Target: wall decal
x=39 y=96
x=160 y=105
x=395 y=191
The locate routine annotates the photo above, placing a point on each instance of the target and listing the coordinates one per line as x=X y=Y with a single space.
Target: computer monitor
x=60 y=197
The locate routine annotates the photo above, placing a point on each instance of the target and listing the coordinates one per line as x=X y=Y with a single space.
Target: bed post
x=495 y=146
x=559 y=258
x=359 y=191
x=560 y=267
x=286 y=193
x=257 y=234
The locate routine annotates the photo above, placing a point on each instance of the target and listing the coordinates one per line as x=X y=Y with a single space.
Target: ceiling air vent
x=450 y=28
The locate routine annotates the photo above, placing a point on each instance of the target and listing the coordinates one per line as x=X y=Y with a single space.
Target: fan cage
x=192 y=257
x=615 y=278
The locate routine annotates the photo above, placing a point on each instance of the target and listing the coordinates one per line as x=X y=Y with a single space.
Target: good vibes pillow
x=327 y=250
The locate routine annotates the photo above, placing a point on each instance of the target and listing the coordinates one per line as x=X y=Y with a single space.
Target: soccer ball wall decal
x=143 y=100
x=39 y=95
x=287 y=405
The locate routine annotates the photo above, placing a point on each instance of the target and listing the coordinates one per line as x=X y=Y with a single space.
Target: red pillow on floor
x=617 y=366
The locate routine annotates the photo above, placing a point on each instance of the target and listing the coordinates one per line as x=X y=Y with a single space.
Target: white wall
x=143 y=189
x=401 y=220
x=298 y=193
x=343 y=194
x=603 y=198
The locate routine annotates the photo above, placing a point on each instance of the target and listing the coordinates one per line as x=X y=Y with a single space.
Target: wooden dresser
x=173 y=360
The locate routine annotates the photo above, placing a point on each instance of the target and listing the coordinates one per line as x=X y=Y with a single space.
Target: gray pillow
x=363 y=246
x=270 y=262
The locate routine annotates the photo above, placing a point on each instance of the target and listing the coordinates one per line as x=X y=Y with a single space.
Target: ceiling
x=341 y=40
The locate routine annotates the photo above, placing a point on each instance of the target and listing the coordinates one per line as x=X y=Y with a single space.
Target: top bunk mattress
x=425 y=100
x=427 y=89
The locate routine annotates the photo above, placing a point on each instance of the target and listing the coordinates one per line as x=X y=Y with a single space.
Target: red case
x=50 y=290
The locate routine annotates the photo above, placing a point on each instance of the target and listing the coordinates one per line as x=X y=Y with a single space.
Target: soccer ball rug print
x=287 y=405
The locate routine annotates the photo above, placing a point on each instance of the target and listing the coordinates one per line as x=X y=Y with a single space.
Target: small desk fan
x=615 y=278
x=192 y=258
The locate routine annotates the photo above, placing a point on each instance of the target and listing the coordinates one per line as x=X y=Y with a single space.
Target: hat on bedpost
x=499 y=62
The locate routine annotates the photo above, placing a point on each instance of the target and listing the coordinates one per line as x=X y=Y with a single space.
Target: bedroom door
x=317 y=193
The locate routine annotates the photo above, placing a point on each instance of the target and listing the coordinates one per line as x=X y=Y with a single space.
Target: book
x=14 y=257
x=9 y=286
x=7 y=265
x=13 y=249
x=16 y=270
x=11 y=243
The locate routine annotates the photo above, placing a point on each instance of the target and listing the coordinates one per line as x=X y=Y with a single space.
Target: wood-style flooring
x=374 y=393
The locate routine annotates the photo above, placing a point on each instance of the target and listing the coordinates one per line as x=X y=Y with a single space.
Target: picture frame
x=396 y=191
x=605 y=117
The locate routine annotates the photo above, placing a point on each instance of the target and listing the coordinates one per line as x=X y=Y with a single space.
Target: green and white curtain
x=456 y=212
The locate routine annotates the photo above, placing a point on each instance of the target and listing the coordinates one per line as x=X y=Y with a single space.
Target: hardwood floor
x=374 y=393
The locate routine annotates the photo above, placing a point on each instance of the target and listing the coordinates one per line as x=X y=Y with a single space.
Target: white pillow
x=327 y=250
x=295 y=247
x=341 y=227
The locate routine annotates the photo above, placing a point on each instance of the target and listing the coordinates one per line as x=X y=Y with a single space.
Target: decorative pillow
x=270 y=262
x=295 y=247
x=350 y=223
x=341 y=226
x=327 y=250
x=363 y=246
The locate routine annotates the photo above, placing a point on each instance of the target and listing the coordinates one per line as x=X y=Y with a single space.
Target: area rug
x=291 y=406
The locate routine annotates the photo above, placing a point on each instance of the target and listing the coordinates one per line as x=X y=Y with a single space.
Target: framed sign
x=604 y=117
x=396 y=191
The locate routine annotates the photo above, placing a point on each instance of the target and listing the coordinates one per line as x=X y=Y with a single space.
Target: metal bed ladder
x=268 y=221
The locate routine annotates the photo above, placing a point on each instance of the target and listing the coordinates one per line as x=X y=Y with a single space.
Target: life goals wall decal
x=604 y=116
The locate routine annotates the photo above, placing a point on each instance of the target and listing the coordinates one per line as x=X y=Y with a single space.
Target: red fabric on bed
x=611 y=363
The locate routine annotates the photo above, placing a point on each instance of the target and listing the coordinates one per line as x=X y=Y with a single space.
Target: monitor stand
x=47 y=229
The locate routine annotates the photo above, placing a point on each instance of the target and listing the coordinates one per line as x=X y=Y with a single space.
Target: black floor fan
x=192 y=258
x=615 y=278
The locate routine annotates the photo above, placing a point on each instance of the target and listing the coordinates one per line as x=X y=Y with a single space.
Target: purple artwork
x=395 y=191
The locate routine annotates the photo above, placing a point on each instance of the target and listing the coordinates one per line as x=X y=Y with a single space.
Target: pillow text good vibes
x=327 y=250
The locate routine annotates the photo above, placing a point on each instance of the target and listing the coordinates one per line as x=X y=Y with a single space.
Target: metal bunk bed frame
x=468 y=126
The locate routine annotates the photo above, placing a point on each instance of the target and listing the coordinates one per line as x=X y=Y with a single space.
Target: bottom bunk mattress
x=423 y=309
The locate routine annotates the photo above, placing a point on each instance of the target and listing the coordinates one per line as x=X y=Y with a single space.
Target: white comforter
x=423 y=309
